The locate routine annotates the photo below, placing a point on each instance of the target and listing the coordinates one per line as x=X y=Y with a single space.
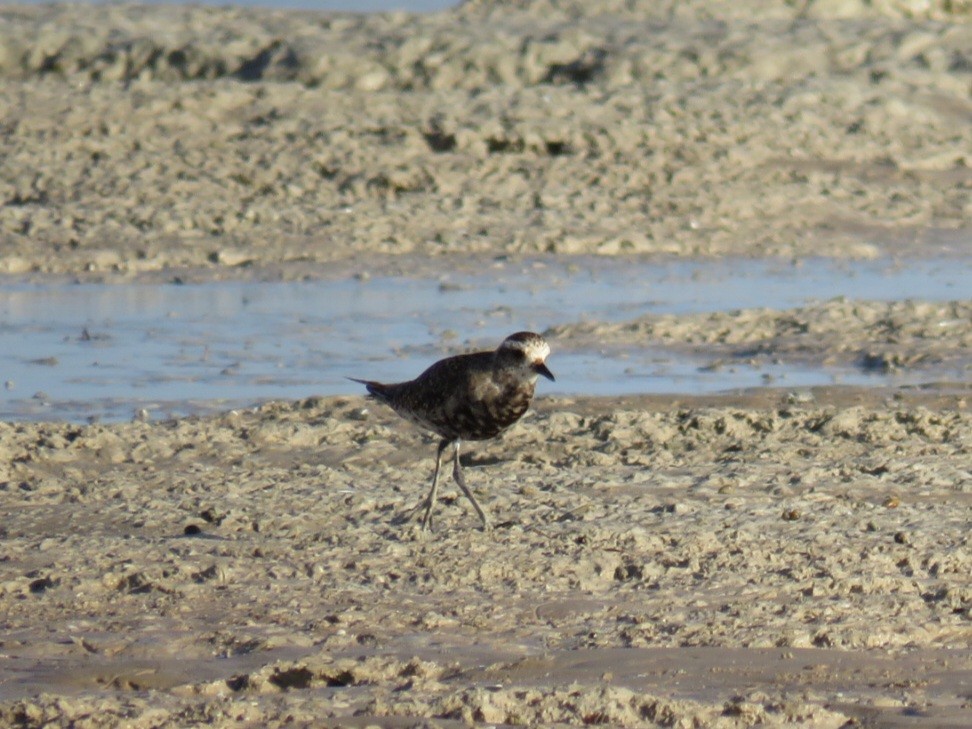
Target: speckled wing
x=468 y=398
x=459 y=397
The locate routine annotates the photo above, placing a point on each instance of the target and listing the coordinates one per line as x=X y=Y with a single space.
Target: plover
x=468 y=397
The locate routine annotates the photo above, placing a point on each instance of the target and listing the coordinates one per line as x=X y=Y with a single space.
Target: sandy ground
x=719 y=562
x=775 y=557
x=141 y=140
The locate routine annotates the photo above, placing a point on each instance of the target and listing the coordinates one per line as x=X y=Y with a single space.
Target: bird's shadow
x=476 y=461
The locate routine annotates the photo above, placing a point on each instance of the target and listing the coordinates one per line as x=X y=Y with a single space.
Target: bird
x=474 y=396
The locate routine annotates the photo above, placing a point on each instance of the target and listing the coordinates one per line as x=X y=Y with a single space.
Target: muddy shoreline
x=775 y=557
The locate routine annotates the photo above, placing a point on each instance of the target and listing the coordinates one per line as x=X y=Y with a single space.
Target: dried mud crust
x=146 y=139
x=246 y=567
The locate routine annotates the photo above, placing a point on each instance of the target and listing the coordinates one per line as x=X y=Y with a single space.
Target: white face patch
x=525 y=352
x=535 y=349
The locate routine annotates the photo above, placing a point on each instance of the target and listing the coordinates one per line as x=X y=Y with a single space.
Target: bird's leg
x=457 y=475
x=430 y=499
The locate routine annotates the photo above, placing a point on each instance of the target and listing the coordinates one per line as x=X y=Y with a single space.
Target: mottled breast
x=490 y=407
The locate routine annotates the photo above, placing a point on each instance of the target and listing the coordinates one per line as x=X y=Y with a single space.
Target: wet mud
x=779 y=556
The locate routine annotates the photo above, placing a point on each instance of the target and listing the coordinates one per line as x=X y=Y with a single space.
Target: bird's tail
x=375 y=389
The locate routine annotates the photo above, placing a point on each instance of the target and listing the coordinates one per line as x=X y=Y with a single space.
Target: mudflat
x=720 y=562
x=775 y=557
x=140 y=139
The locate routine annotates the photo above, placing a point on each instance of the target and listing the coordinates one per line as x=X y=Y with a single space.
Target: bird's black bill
x=541 y=369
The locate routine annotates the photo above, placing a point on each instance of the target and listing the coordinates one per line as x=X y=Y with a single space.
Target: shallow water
x=85 y=351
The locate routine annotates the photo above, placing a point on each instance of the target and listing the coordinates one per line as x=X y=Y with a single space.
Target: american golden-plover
x=468 y=397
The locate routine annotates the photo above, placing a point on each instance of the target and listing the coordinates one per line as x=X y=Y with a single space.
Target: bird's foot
x=406 y=516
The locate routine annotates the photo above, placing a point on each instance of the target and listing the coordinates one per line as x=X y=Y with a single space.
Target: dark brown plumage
x=469 y=397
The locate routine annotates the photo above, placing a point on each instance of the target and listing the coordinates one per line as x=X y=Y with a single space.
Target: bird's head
x=527 y=352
